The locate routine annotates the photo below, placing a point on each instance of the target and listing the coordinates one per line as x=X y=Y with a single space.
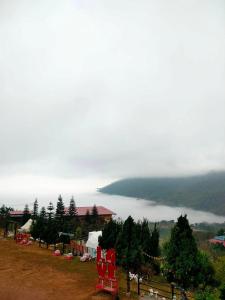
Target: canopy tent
x=92 y=242
x=27 y=226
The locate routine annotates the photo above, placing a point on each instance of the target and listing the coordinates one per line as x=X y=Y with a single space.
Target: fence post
x=138 y=285
x=172 y=289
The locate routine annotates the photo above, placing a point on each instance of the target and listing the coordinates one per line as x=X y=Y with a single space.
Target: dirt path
x=30 y=272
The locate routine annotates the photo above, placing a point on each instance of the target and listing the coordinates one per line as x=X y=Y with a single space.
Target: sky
x=92 y=91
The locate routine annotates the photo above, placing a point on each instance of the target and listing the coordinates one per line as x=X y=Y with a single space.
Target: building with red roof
x=218 y=240
x=103 y=212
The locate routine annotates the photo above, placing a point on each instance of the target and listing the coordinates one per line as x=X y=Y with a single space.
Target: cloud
x=111 y=89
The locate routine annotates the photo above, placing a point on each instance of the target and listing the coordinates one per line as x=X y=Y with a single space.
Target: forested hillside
x=203 y=192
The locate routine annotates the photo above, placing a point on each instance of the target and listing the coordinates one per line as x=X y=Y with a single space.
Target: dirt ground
x=30 y=272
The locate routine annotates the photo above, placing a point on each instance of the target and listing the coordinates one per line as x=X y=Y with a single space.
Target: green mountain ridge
x=201 y=192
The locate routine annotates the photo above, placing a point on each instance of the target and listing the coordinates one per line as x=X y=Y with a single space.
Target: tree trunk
x=15 y=231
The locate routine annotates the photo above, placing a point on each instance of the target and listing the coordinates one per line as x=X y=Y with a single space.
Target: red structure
x=78 y=248
x=217 y=242
x=106 y=266
x=22 y=238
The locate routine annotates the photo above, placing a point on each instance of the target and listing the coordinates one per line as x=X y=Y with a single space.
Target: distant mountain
x=202 y=192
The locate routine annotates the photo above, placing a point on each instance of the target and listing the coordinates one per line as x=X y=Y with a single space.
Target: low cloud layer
x=111 y=89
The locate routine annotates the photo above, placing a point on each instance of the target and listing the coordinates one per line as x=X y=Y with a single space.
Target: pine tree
x=109 y=235
x=50 y=210
x=72 y=208
x=41 y=224
x=60 y=208
x=145 y=239
x=51 y=232
x=87 y=218
x=42 y=213
x=26 y=214
x=94 y=216
x=87 y=224
x=154 y=242
x=181 y=254
x=128 y=250
x=35 y=210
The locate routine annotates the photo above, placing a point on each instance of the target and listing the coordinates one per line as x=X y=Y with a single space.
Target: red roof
x=102 y=211
x=16 y=212
x=215 y=241
x=81 y=211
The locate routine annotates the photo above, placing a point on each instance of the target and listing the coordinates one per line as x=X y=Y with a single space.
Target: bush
x=222 y=292
x=204 y=295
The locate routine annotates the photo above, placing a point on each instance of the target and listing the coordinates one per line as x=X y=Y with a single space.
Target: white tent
x=92 y=242
x=27 y=226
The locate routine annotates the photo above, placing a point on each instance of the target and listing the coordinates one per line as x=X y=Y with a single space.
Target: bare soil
x=30 y=272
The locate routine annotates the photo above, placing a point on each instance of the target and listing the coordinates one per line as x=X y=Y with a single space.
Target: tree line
x=134 y=242
x=179 y=259
x=49 y=223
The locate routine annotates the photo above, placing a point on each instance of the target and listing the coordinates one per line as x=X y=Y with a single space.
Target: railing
x=161 y=290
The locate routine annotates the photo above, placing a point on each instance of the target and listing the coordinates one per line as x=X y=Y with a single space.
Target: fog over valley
x=95 y=91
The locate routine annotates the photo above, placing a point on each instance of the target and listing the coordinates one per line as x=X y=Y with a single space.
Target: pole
x=138 y=285
x=172 y=289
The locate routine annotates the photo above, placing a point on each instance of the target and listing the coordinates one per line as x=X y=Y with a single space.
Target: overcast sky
x=96 y=90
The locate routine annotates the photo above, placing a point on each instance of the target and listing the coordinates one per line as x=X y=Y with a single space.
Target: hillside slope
x=202 y=192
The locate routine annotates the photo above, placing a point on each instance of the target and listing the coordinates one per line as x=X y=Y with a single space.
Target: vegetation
x=203 y=192
x=128 y=250
x=222 y=292
x=35 y=210
x=26 y=214
x=185 y=264
x=72 y=208
x=135 y=243
x=5 y=218
x=188 y=260
x=55 y=226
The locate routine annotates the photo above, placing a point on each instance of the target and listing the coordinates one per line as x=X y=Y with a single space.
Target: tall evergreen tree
x=51 y=232
x=87 y=224
x=128 y=250
x=110 y=234
x=87 y=217
x=41 y=223
x=50 y=210
x=154 y=242
x=26 y=214
x=42 y=213
x=145 y=239
x=60 y=208
x=181 y=254
x=35 y=210
x=145 y=236
x=94 y=215
x=72 y=208
x=38 y=227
